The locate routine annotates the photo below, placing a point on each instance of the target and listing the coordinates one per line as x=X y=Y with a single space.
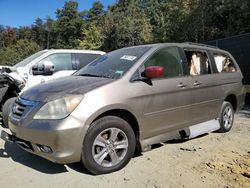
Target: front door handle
x=181 y=85
x=196 y=84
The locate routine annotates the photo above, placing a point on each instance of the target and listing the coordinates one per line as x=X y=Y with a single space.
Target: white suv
x=38 y=68
x=65 y=63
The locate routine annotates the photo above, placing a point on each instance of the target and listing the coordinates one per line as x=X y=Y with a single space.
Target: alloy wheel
x=110 y=147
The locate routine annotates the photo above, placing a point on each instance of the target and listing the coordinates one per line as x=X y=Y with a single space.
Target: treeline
x=126 y=23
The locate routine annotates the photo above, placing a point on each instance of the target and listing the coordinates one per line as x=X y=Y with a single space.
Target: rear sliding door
x=206 y=92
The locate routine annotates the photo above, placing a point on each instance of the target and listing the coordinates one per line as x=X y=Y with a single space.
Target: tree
x=155 y=12
x=231 y=17
x=126 y=27
x=14 y=53
x=93 y=38
x=25 y=33
x=2 y=36
x=69 y=25
x=50 y=33
x=134 y=22
x=8 y=36
x=95 y=14
x=38 y=29
x=92 y=33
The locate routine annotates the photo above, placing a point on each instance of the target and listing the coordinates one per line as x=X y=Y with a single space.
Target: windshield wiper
x=94 y=75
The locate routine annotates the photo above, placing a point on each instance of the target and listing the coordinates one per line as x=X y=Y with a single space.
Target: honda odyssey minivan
x=128 y=99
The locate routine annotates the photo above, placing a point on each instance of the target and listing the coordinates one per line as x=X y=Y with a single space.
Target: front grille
x=18 y=108
x=22 y=107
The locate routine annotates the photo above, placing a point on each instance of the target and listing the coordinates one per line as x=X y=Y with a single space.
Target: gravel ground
x=212 y=160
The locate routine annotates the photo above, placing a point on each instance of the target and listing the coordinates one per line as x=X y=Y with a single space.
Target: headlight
x=59 y=108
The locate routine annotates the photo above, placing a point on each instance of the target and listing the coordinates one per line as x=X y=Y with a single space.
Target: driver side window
x=60 y=61
x=169 y=59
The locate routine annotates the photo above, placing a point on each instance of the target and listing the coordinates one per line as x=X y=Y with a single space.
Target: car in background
x=63 y=62
x=38 y=68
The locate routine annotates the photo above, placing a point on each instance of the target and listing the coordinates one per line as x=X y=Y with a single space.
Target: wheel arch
x=128 y=117
x=232 y=99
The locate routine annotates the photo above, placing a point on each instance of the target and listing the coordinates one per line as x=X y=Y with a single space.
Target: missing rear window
x=198 y=62
x=224 y=63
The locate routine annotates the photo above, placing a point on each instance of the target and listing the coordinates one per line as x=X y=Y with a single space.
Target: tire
x=6 y=111
x=226 y=117
x=101 y=153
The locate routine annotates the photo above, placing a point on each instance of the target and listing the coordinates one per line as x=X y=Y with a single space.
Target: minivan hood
x=58 y=88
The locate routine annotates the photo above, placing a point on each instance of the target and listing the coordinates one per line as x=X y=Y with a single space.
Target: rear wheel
x=6 y=111
x=226 y=117
x=108 y=145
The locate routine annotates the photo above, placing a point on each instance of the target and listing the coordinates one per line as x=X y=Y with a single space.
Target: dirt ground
x=213 y=160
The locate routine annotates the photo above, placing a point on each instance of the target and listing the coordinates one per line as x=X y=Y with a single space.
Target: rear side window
x=198 y=62
x=81 y=60
x=169 y=59
x=224 y=63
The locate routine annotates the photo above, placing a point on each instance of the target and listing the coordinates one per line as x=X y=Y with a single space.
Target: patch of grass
x=247 y=87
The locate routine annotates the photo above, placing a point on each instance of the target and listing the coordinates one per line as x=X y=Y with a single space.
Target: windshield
x=114 y=64
x=26 y=61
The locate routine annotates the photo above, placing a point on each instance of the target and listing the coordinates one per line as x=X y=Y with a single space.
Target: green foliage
x=126 y=26
x=16 y=52
x=50 y=33
x=92 y=33
x=95 y=14
x=127 y=23
x=68 y=26
x=202 y=20
x=155 y=11
x=38 y=31
x=232 y=17
x=25 y=33
x=8 y=36
x=93 y=38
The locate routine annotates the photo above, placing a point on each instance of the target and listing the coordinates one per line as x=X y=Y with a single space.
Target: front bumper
x=7 y=137
x=63 y=137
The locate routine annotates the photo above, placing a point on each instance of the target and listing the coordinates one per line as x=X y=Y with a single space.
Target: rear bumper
x=59 y=141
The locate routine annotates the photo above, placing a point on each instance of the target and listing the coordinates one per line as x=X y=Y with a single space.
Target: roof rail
x=200 y=44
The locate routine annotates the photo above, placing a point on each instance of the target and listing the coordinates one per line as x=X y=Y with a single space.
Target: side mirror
x=46 y=69
x=153 y=72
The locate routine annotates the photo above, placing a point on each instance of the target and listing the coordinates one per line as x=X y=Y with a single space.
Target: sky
x=16 y=13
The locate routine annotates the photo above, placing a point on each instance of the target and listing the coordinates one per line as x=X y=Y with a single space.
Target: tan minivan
x=129 y=98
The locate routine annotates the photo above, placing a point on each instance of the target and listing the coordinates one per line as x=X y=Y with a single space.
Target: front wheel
x=226 y=117
x=6 y=111
x=108 y=146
